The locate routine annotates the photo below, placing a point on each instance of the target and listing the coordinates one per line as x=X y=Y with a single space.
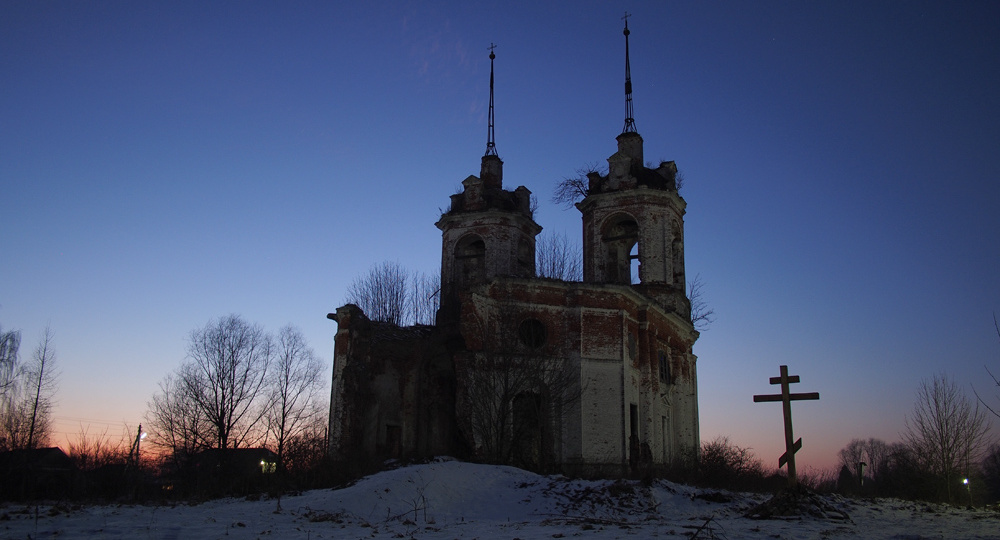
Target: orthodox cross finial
x=629 y=121
x=491 y=147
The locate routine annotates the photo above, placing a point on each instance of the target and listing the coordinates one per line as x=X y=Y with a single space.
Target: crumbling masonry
x=595 y=377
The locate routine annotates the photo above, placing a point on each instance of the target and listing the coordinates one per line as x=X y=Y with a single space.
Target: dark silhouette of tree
x=226 y=372
x=702 y=316
x=945 y=432
x=425 y=298
x=390 y=293
x=991 y=472
x=41 y=380
x=292 y=390
x=178 y=427
x=10 y=342
x=723 y=463
x=996 y=381
x=382 y=293
x=876 y=455
x=239 y=387
x=573 y=189
x=90 y=452
x=26 y=392
x=557 y=258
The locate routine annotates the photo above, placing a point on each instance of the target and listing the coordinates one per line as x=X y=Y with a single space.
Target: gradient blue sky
x=163 y=164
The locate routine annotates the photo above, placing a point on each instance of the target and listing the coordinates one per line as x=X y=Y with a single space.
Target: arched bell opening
x=470 y=260
x=621 y=241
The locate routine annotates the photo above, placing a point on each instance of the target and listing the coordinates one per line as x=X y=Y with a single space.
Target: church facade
x=595 y=377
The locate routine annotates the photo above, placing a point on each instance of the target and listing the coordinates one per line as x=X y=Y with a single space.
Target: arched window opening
x=621 y=240
x=677 y=255
x=532 y=333
x=666 y=377
x=525 y=258
x=470 y=260
x=633 y=258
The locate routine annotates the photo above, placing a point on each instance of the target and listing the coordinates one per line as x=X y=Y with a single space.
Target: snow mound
x=441 y=490
x=448 y=499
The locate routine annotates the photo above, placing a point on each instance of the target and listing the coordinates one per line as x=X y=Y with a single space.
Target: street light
x=968 y=487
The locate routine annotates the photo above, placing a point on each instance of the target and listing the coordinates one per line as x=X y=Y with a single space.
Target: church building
x=595 y=377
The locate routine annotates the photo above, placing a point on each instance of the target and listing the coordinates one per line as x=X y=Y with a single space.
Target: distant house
x=240 y=462
x=36 y=473
x=233 y=470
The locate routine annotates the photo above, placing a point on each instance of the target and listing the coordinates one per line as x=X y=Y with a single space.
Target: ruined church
x=595 y=377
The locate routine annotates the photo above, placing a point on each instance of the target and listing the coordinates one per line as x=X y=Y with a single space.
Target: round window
x=532 y=333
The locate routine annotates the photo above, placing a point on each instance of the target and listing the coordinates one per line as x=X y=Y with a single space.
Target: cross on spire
x=629 y=121
x=786 y=399
x=491 y=147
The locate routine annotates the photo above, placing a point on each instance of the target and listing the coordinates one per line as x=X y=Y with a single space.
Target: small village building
x=31 y=473
x=595 y=377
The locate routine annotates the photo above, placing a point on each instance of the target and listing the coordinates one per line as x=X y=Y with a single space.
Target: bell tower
x=487 y=231
x=633 y=219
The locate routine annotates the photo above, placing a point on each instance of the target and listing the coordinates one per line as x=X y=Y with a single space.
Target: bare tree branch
x=389 y=293
x=573 y=189
x=229 y=359
x=382 y=293
x=425 y=299
x=41 y=377
x=556 y=258
x=945 y=432
x=513 y=389
x=996 y=381
x=702 y=316
x=295 y=380
x=10 y=342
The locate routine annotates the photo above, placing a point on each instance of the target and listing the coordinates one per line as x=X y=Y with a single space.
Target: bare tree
x=425 y=298
x=879 y=454
x=724 y=463
x=556 y=258
x=996 y=381
x=307 y=449
x=945 y=432
x=852 y=455
x=90 y=452
x=10 y=342
x=27 y=393
x=991 y=471
x=390 y=293
x=875 y=453
x=178 y=428
x=702 y=316
x=226 y=372
x=10 y=405
x=382 y=293
x=513 y=388
x=573 y=189
x=14 y=418
x=41 y=380
x=294 y=382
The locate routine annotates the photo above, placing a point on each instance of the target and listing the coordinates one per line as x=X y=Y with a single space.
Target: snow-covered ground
x=451 y=499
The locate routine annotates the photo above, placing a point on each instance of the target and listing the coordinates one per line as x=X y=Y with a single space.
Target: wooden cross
x=786 y=400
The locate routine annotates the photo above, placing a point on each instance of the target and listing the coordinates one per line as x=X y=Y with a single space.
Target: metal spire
x=491 y=147
x=629 y=121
